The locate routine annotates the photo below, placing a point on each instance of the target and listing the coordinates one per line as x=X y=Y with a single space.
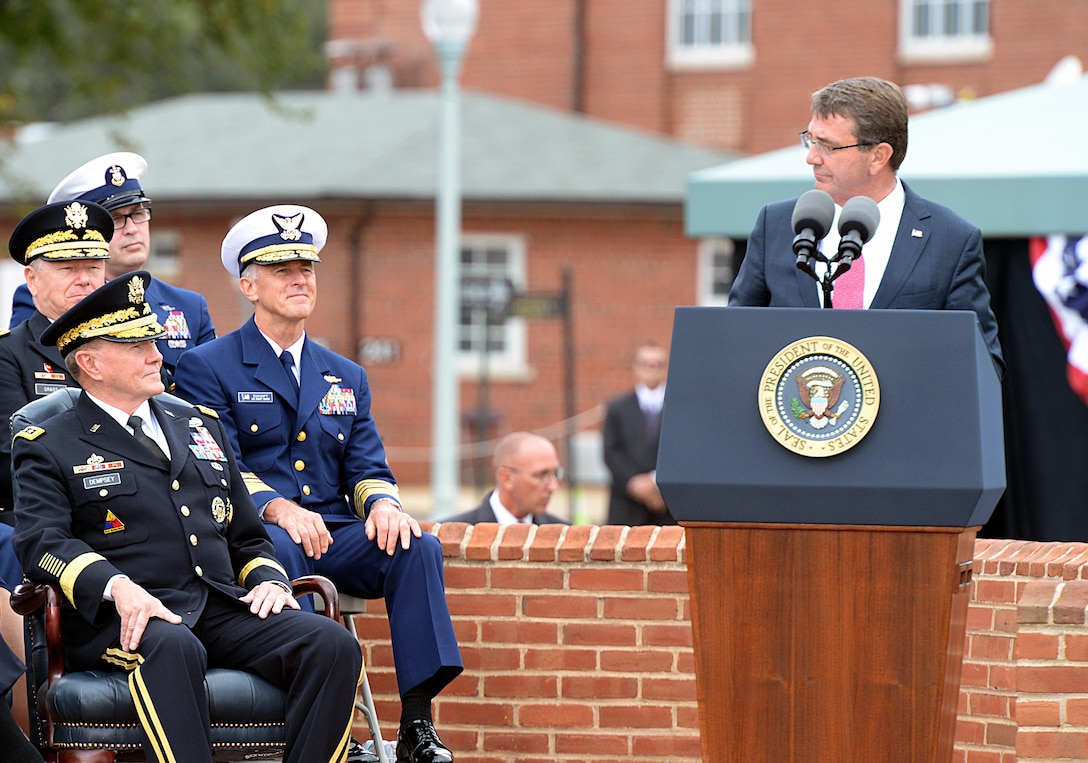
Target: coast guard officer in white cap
x=298 y=416
x=113 y=180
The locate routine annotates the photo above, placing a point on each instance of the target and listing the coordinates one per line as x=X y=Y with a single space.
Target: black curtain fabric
x=1046 y=424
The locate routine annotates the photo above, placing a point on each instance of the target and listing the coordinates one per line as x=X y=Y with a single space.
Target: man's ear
x=30 y=275
x=248 y=288
x=89 y=363
x=879 y=156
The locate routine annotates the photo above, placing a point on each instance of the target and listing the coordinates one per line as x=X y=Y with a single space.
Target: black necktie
x=137 y=425
x=653 y=422
x=288 y=361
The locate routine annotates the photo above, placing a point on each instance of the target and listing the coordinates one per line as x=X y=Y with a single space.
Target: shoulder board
x=4 y=332
x=207 y=411
x=29 y=433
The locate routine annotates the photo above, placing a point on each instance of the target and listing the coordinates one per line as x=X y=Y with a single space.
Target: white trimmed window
x=944 y=30
x=715 y=271
x=710 y=33
x=499 y=257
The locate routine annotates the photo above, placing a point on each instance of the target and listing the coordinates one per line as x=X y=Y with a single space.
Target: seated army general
x=136 y=509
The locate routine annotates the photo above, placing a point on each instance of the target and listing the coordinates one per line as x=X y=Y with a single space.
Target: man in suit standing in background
x=922 y=256
x=527 y=474
x=632 y=428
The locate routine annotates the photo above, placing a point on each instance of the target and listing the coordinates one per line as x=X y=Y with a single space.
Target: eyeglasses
x=808 y=142
x=138 y=216
x=543 y=475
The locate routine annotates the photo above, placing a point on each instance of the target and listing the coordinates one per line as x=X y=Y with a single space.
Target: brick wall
x=526 y=50
x=577 y=647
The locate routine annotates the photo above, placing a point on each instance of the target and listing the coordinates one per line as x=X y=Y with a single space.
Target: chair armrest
x=324 y=588
x=43 y=600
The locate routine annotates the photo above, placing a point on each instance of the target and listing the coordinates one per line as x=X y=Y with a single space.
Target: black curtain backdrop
x=1046 y=424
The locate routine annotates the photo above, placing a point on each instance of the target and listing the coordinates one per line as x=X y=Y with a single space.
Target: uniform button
x=305 y=489
x=184 y=511
x=340 y=437
x=192 y=540
x=223 y=483
x=199 y=571
x=300 y=465
x=253 y=427
x=301 y=437
x=103 y=492
x=175 y=485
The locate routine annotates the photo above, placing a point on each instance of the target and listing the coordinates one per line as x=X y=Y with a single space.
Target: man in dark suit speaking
x=922 y=256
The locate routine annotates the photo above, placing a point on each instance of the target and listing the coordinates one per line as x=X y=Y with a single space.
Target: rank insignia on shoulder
x=207 y=411
x=5 y=332
x=29 y=433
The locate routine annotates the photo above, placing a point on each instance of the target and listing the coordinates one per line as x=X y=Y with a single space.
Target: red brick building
x=545 y=193
x=729 y=74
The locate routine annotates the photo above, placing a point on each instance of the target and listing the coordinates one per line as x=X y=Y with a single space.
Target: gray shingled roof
x=375 y=145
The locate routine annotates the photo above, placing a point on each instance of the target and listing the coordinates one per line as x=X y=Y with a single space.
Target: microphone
x=857 y=224
x=812 y=217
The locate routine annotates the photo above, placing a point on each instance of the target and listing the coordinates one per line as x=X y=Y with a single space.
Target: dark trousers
x=411 y=582
x=313 y=658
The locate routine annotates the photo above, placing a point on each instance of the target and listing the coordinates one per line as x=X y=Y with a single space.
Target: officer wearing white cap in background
x=63 y=248
x=298 y=416
x=113 y=180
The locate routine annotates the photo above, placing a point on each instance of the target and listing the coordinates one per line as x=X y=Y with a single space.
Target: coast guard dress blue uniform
x=316 y=452
x=316 y=444
x=94 y=503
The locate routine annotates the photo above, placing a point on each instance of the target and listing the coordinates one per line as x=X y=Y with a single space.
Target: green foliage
x=66 y=59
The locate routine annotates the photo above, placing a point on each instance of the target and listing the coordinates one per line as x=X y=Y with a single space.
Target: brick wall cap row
x=489 y=541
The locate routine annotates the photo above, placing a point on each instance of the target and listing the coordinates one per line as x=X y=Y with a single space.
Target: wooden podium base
x=828 y=644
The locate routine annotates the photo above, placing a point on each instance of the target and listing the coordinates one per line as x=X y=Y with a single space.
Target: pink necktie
x=850 y=287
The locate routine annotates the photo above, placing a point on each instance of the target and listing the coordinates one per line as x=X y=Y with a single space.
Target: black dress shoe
x=358 y=754
x=418 y=742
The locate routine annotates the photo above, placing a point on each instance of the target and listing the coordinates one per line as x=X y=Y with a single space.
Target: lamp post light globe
x=449 y=21
x=449 y=25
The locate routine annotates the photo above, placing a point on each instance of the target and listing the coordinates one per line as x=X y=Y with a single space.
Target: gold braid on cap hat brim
x=121 y=324
x=280 y=253
x=64 y=244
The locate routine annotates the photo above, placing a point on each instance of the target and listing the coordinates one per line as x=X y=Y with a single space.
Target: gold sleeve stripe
x=260 y=561
x=51 y=565
x=122 y=659
x=364 y=489
x=254 y=484
x=149 y=718
x=73 y=570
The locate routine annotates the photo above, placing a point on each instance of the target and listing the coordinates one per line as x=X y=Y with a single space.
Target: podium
x=829 y=590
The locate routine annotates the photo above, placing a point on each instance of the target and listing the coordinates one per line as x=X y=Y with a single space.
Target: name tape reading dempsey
x=819 y=396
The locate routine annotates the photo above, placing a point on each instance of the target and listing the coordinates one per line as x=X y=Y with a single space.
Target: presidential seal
x=819 y=396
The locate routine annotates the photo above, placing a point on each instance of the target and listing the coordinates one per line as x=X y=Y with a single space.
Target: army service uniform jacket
x=28 y=370
x=182 y=313
x=330 y=449
x=94 y=503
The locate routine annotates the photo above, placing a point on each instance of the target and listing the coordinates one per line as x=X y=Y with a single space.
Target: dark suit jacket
x=484 y=513
x=629 y=451
x=941 y=269
x=94 y=503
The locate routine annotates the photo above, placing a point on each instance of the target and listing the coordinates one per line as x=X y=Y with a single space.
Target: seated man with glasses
x=113 y=181
x=923 y=256
x=527 y=474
